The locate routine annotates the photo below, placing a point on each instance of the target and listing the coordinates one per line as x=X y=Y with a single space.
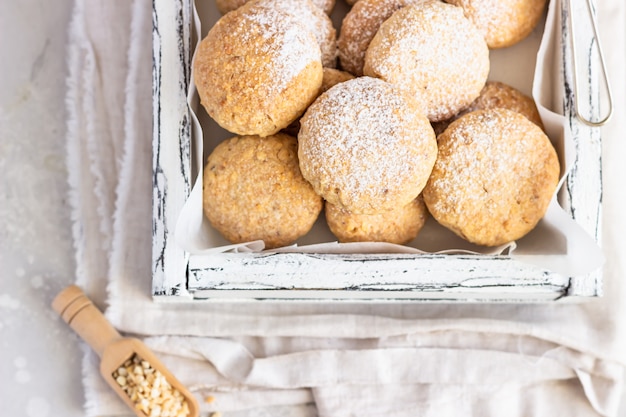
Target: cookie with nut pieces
x=495 y=175
x=398 y=226
x=434 y=52
x=365 y=146
x=253 y=190
x=257 y=70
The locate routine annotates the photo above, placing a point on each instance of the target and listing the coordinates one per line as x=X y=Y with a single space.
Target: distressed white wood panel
x=584 y=183
x=428 y=277
x=246 y=277
x=172 y=51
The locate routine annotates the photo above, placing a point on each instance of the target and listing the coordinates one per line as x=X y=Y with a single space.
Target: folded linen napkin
x=310 y=358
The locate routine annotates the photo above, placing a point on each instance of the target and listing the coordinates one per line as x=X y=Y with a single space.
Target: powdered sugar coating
x=359 y=27
x=313 y=19
x=225 y=6
x=503 y=23
x=494 y=177
x=434 y=52
x=365 y=147
x=257 y=70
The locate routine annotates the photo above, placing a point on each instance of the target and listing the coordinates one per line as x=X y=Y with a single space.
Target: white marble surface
x=40 y=361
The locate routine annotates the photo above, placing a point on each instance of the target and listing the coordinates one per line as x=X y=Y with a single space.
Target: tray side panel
x=346 y=276
x=171 y=141
x=583 y=187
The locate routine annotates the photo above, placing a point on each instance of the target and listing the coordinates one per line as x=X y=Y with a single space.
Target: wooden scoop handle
x=78 y=311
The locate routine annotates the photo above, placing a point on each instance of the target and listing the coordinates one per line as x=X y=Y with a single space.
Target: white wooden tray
x=179 y=276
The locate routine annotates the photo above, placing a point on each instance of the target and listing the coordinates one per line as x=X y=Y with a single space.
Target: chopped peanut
x=148 y=389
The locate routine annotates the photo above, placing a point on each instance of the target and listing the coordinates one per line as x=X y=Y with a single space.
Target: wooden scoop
x=127 y=353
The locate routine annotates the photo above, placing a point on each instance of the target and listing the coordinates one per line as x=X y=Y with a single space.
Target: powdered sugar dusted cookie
x=359 y=27
x=365 y=146
x=503 y=22
x=314 y=19
x=225 y=6
x=257 y=70
x=435 y=53
x=331 y=78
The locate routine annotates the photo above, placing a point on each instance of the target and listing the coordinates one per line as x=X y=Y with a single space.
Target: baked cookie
x=253 y=190
x=225 y=6
x=365 y=147
x=494 y=95
x=315 y=20
x=435 y=53
x=358 y=28
x=503 y=22
x=495 y=175
x=399 y=226
x=257 y=70
x=331 y=78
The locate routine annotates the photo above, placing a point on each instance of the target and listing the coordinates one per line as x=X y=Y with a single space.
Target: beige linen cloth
x=314 y=359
